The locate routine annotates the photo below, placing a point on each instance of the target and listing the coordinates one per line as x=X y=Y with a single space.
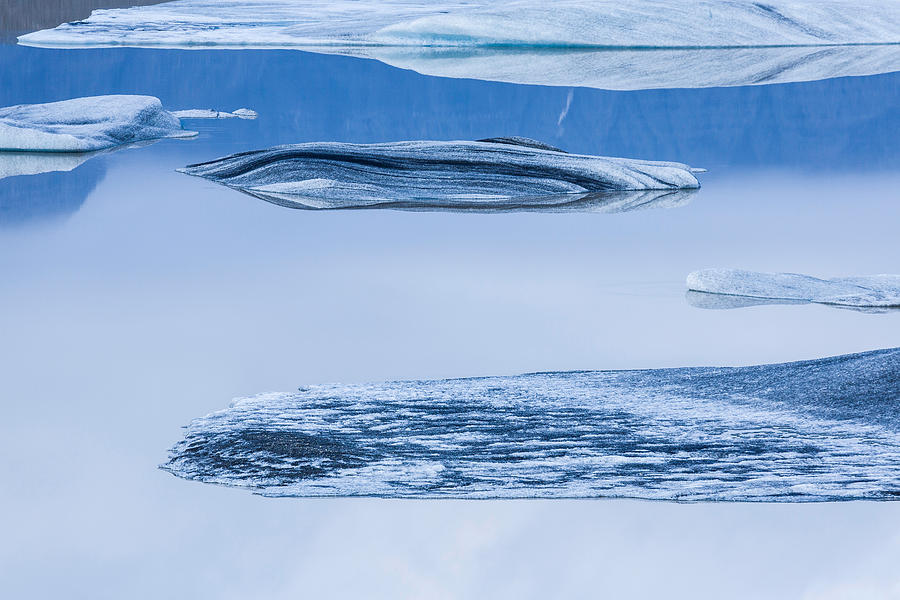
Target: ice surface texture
x=502 y=173
x=876 y=291
x=818 y=430
x=607 y=44
x=563 y=23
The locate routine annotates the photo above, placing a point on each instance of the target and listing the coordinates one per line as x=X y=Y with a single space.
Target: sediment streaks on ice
x=731 y=288
x=818 y=430
x=506 y=173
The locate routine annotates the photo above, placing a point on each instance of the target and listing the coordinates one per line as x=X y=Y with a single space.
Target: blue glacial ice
x=494 y=174
x=819 y=430
x=734 y=288
x=597 y=43
x=91 y=124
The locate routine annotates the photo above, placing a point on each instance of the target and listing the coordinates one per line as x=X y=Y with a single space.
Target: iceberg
x=94 y=123
x=818 y=430
x=496 y=173
x=597 y=43
x=86 y=124
x=734 y=288
x=211 y=113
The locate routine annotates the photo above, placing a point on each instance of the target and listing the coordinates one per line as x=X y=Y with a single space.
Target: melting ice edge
x=819 y=430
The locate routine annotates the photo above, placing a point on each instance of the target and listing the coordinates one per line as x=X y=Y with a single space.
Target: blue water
x=134 y=299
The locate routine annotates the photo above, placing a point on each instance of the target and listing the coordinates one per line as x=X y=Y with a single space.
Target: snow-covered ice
x=563 y=23
x=86 y=124
x=497 y=173
x=875 y=291
x=818 y=430
x=599 y=43
x=93 y=123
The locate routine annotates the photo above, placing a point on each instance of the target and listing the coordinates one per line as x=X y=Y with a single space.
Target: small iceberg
x=211 y=113
x=818 y=430
x=599 y=43
x=734 y=288
x=86 y=124
x=94 y=123
x=495 y=173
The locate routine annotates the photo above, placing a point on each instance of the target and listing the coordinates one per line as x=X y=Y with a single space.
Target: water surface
x=134 y=299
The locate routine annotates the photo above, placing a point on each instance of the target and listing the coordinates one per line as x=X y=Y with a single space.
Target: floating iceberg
x=498 y=173
x=599 y=43
x=86 y=124
x=94 y=123
x=211 y=113
x=733 y=288
x=820 y=430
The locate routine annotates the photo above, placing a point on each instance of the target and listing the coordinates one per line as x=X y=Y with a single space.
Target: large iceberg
x=498 y=173
x=599 y=43
x=819 y=430
x=747 y=288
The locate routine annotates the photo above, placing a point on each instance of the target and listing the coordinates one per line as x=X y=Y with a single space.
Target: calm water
x=134 y=299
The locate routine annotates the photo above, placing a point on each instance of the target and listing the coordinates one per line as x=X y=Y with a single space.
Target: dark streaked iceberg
x=599 y=43
x=819 y=430
x=734 y=288
x=498 y=173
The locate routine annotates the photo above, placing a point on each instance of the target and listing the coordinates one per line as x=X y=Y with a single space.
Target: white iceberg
x=91 y=124
x=493 y=173
x=211 y=113
x=875 y=291
x=86 y=124
x=606 y=44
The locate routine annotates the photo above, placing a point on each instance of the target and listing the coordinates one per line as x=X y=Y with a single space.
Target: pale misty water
x=134 y=299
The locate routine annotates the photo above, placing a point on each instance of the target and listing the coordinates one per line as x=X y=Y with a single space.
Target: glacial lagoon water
x=134 y=299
